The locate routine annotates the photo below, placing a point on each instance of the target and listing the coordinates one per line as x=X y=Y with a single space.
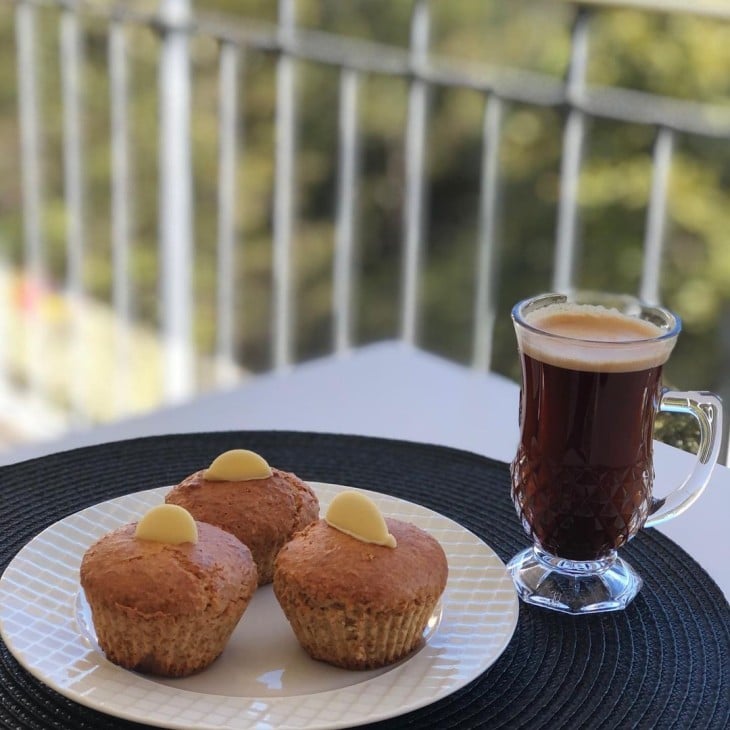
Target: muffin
x=359 y=589
x=166 y=593
x=242 y=494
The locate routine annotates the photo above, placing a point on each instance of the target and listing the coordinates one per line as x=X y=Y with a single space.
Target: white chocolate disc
x=168 y=523
x=238 y=465
x=358 y=516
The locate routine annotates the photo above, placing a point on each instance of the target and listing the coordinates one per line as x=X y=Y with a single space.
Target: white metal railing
x=354 y=59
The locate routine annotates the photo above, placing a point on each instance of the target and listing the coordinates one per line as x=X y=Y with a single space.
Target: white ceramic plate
x=263 y=679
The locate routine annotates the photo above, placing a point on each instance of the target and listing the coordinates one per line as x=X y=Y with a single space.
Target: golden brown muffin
x=167 y=609
x=262 y=513
x=355 y=604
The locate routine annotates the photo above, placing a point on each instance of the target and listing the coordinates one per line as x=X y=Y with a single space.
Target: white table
x=395 y=391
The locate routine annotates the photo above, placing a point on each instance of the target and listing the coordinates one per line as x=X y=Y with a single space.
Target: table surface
x=660 y=663
x=393 y=390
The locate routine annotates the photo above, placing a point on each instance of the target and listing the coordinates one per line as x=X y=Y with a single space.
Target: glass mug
x=583 y=473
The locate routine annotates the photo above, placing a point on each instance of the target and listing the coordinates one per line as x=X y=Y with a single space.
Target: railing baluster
x=120 y=213
x=227 y=158
x=488 y=253
x=71 y=61
x=656 y=216
x=30 y=151
x=415 y=144
x=284 y=190
x=573 y=139
x=176 y=200
x=346 y=224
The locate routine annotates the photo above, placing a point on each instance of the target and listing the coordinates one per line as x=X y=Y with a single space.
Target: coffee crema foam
x=593 y=338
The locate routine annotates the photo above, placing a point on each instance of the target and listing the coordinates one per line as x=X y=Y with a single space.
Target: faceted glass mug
x=583 y=474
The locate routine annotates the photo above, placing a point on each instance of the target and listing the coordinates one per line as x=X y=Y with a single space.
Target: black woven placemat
x=661 y=663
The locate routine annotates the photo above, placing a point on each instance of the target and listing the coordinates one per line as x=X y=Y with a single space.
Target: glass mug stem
x=706 y=408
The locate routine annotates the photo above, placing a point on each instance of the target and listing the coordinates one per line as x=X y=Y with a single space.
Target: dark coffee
x=582 y=477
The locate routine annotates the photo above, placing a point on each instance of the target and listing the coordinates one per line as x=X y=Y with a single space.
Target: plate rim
x=276 y=704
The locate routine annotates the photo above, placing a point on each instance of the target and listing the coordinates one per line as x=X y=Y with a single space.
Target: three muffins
x=166 y=602
x=262 y=506
x=167 y=592
x=359 y=589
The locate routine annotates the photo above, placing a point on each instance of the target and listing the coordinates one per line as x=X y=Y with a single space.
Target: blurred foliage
x=677 y=55
x=679 y=430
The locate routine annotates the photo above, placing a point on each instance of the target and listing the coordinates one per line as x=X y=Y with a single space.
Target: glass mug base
x=570 y=586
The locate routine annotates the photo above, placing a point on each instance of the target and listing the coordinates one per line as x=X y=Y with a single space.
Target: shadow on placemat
x=660 y=663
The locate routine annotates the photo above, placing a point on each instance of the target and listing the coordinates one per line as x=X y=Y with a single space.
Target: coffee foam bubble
x=593 y=338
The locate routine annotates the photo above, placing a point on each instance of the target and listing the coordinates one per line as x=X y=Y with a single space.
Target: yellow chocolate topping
x=238 y=465
x=168 y=523
x=358 y=516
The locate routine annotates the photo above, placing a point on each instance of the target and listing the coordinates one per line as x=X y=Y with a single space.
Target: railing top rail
x=509 y=83
x=709 y=8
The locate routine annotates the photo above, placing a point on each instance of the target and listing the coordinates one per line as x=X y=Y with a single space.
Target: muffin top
x=262 y=510
x=178 y=580
x=327 y=564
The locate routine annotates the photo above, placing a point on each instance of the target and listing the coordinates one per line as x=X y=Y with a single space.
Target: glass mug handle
x=707 y=411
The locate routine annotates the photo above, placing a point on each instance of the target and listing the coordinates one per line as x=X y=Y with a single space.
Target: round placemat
x=660 y=663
